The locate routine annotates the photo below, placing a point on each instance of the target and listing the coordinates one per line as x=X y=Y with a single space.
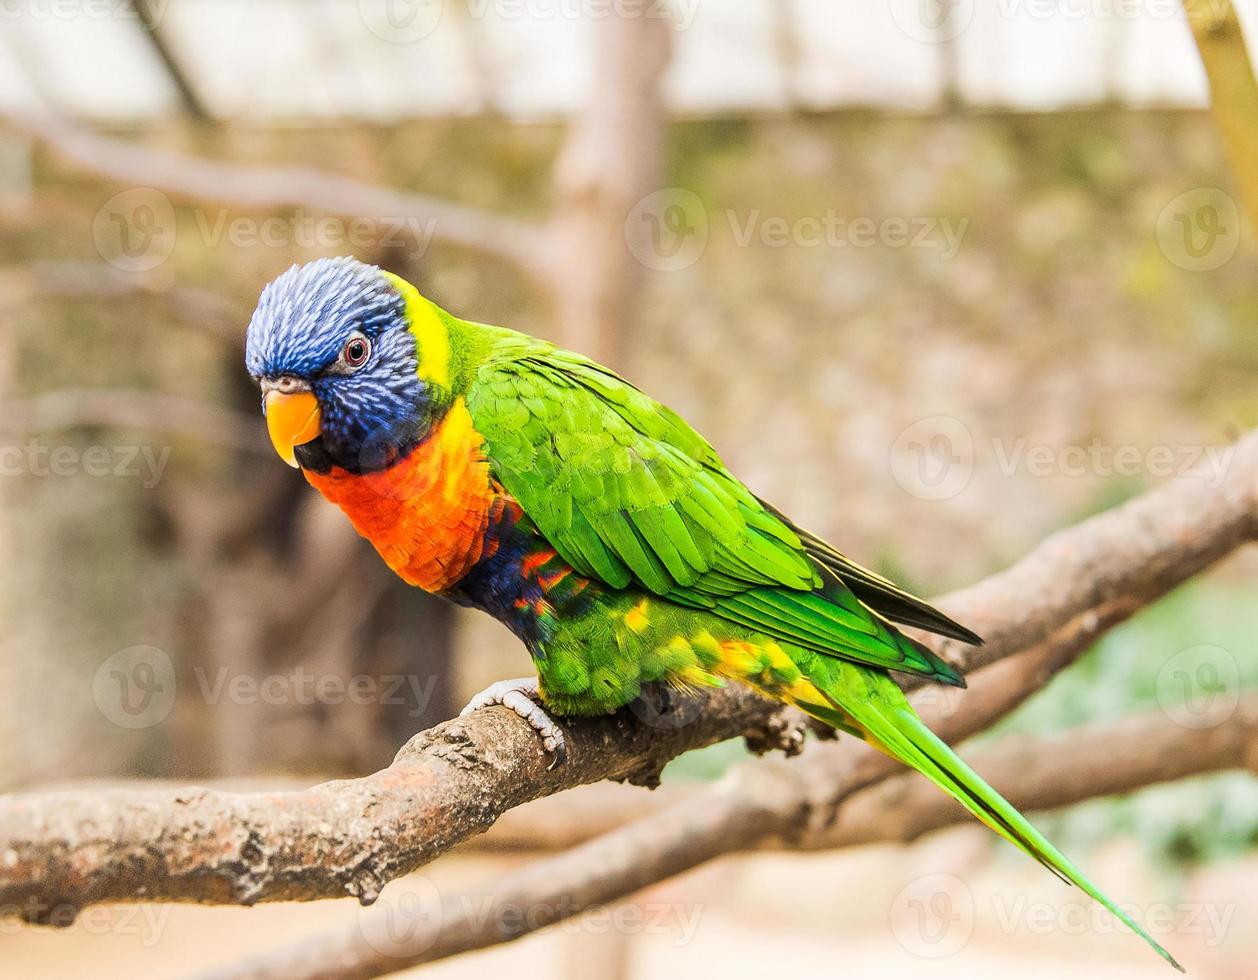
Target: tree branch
x=771 y=805
x=1053 y=771
x=1125 y=557
x=148 y=23
x=1233 y=89
x=279 y=187
x=1034 y=773
x=59 y=852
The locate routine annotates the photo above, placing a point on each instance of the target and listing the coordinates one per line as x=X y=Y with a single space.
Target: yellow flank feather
x=431 y=336
x=762 y=665
x=636 y=618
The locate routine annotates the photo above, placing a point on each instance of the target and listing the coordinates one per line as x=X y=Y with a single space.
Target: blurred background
x=937 y=277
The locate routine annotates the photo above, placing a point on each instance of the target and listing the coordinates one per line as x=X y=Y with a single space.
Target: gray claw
x=522 y=696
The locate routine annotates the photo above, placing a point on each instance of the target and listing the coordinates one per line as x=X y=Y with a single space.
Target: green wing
x=627 y=492
x=877 y=592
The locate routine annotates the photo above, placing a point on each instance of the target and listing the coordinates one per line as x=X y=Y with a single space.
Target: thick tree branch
x=59 y=852
x=765 y=806
x=1035 y=773
x=1124 y=558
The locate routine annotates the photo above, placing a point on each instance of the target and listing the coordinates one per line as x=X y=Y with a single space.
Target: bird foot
x=523 y=696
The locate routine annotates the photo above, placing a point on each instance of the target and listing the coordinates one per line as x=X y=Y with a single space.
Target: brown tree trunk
x=612 y=159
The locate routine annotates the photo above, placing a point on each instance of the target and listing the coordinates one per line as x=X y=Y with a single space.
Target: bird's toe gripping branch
x=523 y=696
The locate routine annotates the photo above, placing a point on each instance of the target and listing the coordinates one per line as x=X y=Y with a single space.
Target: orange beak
x=291 y=419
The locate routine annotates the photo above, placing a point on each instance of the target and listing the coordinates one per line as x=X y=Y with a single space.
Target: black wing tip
x=941 y=624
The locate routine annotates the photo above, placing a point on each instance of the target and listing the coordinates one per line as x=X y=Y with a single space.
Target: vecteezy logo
x=135 y=687
x=932 y=21
x=1199 y=687
x=933 y=459
x=135 y=231
x=406 y=924
x=667 y=230
x=400 y=21
x=1199 y=230
x=660 y=706
x=933 y=916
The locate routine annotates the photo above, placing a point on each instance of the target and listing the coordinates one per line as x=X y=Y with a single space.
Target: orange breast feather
x=427 y=514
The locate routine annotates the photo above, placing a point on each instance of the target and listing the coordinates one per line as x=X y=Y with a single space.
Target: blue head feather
x=304 y=318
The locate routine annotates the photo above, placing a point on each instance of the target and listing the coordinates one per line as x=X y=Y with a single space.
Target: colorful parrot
x=527 y=481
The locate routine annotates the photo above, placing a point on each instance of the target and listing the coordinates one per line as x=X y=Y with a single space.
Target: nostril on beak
x=285 y=384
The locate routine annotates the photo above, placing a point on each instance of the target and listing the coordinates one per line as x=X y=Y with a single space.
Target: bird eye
x=356 y=351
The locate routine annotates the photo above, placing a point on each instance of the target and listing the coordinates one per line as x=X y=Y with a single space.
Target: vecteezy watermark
x=677 y=920
x=934 y=459
x=1200 y=229
x=940 y=21
x=931 y=21
x=940 y=700
x=1018 y=914
x=36 y=458
x=85 y=9
x=935 y=916
x=832 y=229
x=1199 y=687
x=661 y=706
x=135 y=687
x=407 y=21
x=411 y=922
x=324 y=231
x=305 y=687
x=406 y=922
x=1209 y=463
x=669 y=229
x=145 y=922
x=137 y=230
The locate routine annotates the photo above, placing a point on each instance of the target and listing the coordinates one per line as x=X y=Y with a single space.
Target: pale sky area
x=311 y=59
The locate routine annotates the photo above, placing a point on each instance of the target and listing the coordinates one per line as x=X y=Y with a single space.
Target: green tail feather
x=903 y=735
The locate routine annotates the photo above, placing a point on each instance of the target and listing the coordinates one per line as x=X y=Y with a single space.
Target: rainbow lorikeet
x=503 y=473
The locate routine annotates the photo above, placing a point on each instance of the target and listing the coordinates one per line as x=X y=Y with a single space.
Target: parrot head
x=333 y=348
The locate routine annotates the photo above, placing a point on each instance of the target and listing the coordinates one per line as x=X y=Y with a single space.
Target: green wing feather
x=877 y=592
x=627 y=492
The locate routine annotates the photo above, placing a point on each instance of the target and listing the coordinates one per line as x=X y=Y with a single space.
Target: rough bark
x=774 y=805
x=59 y=852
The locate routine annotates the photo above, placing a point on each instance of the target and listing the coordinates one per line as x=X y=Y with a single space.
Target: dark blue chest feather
x=523 y=584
